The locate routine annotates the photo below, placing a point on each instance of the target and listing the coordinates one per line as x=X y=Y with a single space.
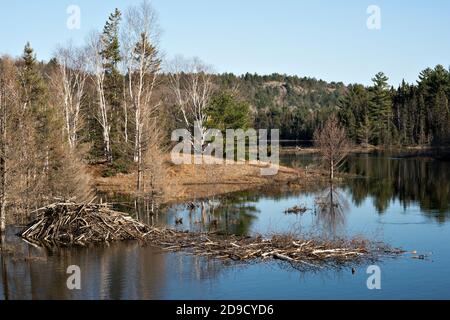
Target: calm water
x=404 y=202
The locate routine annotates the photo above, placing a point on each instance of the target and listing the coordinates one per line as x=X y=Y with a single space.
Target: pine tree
x=114 y=82
x=354 y=108
x=380 y=109
x=364 y=131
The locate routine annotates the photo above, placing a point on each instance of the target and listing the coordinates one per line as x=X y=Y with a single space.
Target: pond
x=404 y=202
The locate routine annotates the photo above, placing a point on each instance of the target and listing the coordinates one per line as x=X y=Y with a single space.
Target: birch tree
x=2 y=156
x=97 y=70
x=192 y=86
x=69 y=81
x=142 y=64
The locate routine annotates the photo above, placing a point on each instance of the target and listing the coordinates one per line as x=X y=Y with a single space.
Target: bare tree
x=97 y=70
x=192 y=85
x=2 y=156
x=69 y=82
x=142 y=64
x=333 y=144
x=19 y=176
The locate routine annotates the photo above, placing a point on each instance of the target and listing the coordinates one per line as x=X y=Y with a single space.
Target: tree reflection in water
x=411 y=180
x=125 y=270
x=331 y=207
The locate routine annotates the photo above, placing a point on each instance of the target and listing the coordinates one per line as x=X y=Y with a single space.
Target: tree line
x=412 y=114
x=111 y=102
x=114 y=102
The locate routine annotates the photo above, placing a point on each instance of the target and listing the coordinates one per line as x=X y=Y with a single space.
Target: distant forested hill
x=296 y=105
x=412 y=114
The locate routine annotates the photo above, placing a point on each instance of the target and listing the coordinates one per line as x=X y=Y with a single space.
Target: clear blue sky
x=321 y=38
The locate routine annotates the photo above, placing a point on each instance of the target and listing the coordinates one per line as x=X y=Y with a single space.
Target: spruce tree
x=31 y=80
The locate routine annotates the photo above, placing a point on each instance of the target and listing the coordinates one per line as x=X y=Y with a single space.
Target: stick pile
x=80 y=224
x=302 y=253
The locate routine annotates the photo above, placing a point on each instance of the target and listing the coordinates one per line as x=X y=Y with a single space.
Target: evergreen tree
x=442 y=117
x=380 y=109
x=114 y=81
x=354 y=109
x=434 y=84
x=227 y=112
x=422 y=132
x=32 y=83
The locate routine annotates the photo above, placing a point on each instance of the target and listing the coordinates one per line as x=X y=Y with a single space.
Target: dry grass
x=189 y=182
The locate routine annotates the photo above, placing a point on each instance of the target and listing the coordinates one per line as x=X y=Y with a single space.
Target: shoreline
x=192 y=182
x=371 y=148
x=189 y=182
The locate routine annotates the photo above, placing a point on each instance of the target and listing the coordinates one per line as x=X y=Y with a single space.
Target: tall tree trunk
x=125 y=111
x=2 y=158
x=331 y=170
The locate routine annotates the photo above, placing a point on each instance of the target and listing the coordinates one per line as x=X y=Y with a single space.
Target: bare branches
x=97 y=70
x=141 y=63
x=333 y=145
x=192 y=86
x=304 y=254
x=69 y=81
x=70 y=223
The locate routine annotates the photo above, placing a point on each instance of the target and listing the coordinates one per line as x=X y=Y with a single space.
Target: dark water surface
x=403 y=202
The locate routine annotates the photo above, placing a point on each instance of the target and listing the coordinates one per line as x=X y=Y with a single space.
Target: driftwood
x=80 y=224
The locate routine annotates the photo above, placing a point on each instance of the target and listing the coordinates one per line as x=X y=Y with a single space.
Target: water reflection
x=382 y=178
x=374 y=200
x=117 y=271
x=387 y=178
x=331 y=207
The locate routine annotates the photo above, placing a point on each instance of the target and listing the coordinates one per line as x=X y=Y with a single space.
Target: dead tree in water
x=333 y=145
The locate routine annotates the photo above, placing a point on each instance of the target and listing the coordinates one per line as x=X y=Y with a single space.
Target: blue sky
x=321 y=38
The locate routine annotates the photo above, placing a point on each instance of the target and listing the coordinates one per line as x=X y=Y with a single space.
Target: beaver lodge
x=82 y=224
